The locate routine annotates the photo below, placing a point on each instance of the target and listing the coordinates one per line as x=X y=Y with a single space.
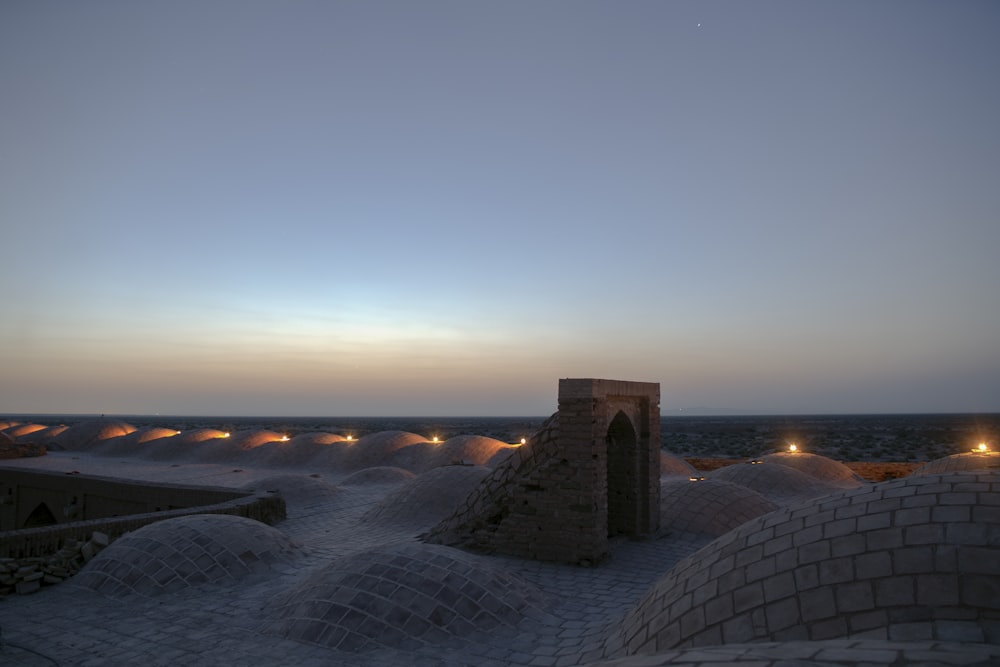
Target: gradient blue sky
x=440 y=208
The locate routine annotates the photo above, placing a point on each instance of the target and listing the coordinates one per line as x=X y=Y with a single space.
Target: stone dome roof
x=822 y=468
x=966 y=461
x=776 y=482
x=708 y=506
x=675 y=465
x=83 y=435
x=430 y=497
x=299 y=490
x=402 y=596
x=377 y=475
x=170 y=555
x=913 y=557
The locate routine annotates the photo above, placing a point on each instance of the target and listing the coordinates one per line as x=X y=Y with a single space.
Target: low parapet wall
x=155 y=501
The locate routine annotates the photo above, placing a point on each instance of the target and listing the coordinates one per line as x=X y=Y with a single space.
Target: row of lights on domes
x=350 y=438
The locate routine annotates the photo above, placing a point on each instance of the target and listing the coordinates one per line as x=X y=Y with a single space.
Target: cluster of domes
x=399 y=449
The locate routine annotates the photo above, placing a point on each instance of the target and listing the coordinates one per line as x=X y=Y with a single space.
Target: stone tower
x=591 y=472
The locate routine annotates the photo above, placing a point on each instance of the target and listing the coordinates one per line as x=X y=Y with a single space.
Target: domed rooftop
x=83 y=435
x=131 y=443
x=822 y=468
x=708 y=506
x=377 y=475
x=378 y=449
x=778 y=483
x=467 y=449
x=675 y=465
x=402 y=596
x=913 y=557
x=170 y=555
x=21 y=430
x=430 y=497
x=826 y=653
x=297 y=490
x=966 y=461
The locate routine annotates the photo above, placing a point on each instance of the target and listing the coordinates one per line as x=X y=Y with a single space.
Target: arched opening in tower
x=623 y=482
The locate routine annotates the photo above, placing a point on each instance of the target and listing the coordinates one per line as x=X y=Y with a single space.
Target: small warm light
x=177 y=432
x=226 y=434
x=696 y=479
x=350 y=437
x=524 y=441
x=284 y=438
x=793 y=448
x=755 y=462
x=982 y=449
x=435 y=439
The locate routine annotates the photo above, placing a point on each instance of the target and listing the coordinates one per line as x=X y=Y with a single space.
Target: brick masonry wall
x=549 y=499
x=910 y=559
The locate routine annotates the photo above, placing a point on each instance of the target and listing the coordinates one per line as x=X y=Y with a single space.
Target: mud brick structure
x=590 y=473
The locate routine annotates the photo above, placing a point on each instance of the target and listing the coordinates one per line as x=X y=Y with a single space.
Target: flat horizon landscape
x=847 y=437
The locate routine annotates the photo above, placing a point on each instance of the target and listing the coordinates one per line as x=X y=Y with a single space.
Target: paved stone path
x=267 y=617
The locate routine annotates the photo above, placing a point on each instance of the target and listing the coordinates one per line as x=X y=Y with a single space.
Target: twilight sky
x=441 y=208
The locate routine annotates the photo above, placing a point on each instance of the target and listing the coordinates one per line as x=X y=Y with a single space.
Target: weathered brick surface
x=591 y=471
x=402 y=596
x=708 y=506
x=173 y=554
x=917 y=577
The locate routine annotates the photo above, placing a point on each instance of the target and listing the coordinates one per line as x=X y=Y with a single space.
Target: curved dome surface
x=134 y=441
x=48 y=433
x=376 y=449
x=675 y=465
x=827 y=653
x=430 y=497
x=402 y=596
x=256 y=438
x=709 y=506
x=774 y=481
x=913 y=557
x=296 y=489
x=170 y=555
x=822 y=468
x=467 y=449
x=377 y=475
x=21 y=430
x=83 y=435
x=955 y=462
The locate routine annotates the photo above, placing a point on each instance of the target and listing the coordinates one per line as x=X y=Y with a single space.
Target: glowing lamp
x=226 y=434
x=524 y=441
x=435 y=439
x=284 y=438
x=177 y=432
x=696 y=479
x=793 y=448
x=350 y=437
x=982 y=449
x=755 y=462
